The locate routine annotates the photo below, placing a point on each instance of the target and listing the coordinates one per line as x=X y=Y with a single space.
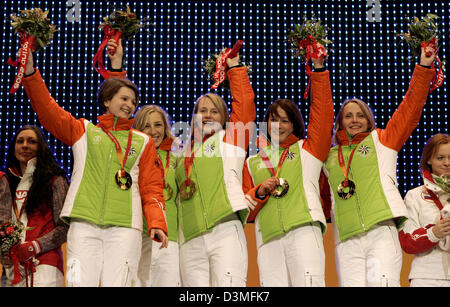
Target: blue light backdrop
x=368 y=61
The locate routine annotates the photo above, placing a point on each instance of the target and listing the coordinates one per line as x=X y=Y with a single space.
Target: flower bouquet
x=35 y=32
x=10 y=233
x=308 y=40
x=119 y=24
x=215 y=66
x=424 y=33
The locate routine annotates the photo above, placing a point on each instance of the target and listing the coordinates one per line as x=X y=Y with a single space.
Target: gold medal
x=281 y=189
x=345 y=191
x=168 y=192
x=187 y=191
x=124 y=180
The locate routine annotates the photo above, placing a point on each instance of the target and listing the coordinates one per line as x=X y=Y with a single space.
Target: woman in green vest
x=281 y=184
x=212 y=207
x=159 y=267
x=361 y=172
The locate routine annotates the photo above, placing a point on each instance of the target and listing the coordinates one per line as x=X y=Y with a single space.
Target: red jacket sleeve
x=55 y=119
x=241 y=123
x=407 y=116
x=151 y=189
x=321 y=117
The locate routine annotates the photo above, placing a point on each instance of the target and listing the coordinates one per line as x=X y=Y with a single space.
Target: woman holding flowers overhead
x=212 y=208
x=426 y=232
x=116 y=180
x=39 y=187
x=281 y=185
x=361 y=172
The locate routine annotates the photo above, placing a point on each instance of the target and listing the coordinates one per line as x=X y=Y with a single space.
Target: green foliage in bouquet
x=209 y=67
x=420 y=31
x=302 y=33
x=444 y=183
x=35 y=23
x=10 y=233
x=125 y=21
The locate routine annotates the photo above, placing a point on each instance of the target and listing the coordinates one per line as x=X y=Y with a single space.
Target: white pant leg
x=145 y=261
x=227 y=248
x=305 y=256
x=373 y=258
x=194 y=263
x=351 y=262
x=384 y=256
x=84 y=255
x=165 y=265
x=425 y=282
x=272 y=265
x=121 y=253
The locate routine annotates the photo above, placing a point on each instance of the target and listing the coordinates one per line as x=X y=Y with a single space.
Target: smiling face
x=280 y=127
x=209 y=117
x=353 y=119
x=155 y=128
x=122 y=104
x=26 y=147
x=440 y=162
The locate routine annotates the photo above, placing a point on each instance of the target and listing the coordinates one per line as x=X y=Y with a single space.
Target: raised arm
x=321 y=117
x=243 y=110
x=407 y=116
x=55 y=119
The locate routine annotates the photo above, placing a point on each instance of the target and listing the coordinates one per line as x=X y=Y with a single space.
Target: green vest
x=171 y=205
x=210 y=203
x=99 y=199
x=279 y=216
x=369 y=205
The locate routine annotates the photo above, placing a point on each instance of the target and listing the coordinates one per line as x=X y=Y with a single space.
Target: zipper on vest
x=279 y=215
x=358 y=208
x=106 y=187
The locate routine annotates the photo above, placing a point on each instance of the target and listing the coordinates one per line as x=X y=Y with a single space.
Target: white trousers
x=217 y=258
x=159 y=267
x=425 y=282
x=45 y=276
x=106 y=256
x=370 y=259
x=297 y=259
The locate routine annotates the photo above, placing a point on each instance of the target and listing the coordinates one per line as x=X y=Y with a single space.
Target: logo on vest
x=21 y=195
x=96 y=139
x=364 y=150
x=132 y=151
x=291 y=156
x=208 y=149
x=425 y=196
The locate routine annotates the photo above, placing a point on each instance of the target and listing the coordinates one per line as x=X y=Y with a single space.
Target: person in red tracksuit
x=38 y=186
x=426 y=232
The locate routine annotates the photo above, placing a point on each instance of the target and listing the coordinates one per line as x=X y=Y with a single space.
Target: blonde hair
x=141 y=119
x=366 y=110
x=218 y=102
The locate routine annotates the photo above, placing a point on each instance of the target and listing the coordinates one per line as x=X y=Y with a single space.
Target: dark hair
x=46 y=168
x=431 y=148
x=293 y=113
x=110 y=87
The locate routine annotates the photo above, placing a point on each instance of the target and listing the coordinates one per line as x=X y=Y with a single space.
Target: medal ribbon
x=345 y=170
x=120 y=157
x=189 y=159
x=221 y=64
x=26 y=44
x=98 y=57
x=165 y=170
x=266 y=160
x=438 y=79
